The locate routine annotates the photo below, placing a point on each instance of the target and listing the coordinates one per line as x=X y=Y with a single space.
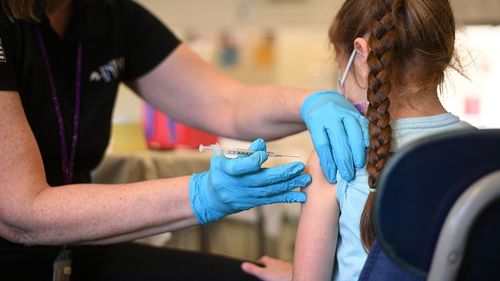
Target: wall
x=477 y=11
x=216 y=13
x=475 y=97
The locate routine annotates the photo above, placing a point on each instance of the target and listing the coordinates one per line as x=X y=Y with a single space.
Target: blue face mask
x=361 y=106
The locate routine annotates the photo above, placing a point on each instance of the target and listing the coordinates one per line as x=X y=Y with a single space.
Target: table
x=126 y=167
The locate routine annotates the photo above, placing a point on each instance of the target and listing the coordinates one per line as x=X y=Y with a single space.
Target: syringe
x=222 y=150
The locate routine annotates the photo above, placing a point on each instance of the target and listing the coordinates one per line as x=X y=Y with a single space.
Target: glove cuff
x=312 y=99
x=195 y=197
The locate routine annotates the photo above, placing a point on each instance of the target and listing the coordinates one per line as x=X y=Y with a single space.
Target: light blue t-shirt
x=351 y=196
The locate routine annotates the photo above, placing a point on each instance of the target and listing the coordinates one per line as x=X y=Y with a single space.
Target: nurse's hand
x=338 y=131
x=233 y=185
x=269 y=269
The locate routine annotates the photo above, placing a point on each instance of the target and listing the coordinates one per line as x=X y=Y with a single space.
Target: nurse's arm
x=191 y=90
x=317 y=231
x=33 y=213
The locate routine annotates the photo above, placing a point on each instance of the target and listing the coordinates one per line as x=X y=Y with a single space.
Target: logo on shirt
x=2 y=52
x=109 y=71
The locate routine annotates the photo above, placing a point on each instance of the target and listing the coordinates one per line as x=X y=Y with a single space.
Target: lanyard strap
x=68 y=161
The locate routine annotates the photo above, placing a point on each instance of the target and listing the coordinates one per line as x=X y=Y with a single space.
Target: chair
x=437 y=210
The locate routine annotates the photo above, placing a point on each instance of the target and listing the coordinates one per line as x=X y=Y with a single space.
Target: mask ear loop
x=347 y=68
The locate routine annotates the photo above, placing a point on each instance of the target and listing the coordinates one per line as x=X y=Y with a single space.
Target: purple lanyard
x=67 y=164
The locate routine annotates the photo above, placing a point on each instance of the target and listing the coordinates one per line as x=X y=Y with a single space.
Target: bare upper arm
x=22 y=175
x=319 y=180
x=318 y=228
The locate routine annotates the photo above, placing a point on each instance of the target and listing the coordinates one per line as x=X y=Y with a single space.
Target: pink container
x=163 y=132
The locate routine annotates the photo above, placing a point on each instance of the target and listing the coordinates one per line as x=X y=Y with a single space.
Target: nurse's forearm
x=269 y=111
x=135 y=235
x=32 y=212
x=105 y=213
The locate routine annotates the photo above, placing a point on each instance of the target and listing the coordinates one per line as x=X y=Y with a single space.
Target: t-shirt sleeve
x=147 y=41
x=8 y=80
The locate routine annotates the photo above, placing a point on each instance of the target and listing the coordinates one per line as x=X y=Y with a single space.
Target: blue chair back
x=417 y=189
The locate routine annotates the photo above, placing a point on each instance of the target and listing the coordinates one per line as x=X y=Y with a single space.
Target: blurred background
x=283 y=42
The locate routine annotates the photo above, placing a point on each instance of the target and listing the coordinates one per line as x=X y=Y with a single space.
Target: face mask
x=362 y=105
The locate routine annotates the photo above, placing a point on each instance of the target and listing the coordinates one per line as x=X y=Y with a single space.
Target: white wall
x=217 y=13
x=476 y=11
x=478 y=50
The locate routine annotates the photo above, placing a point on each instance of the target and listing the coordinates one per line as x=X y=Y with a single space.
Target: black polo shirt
x=121 y=42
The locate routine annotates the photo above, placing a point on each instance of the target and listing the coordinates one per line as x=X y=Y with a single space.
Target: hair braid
x=382 y=42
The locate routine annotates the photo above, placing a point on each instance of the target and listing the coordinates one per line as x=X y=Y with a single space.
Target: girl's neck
x=60 y=17
x=416 y=105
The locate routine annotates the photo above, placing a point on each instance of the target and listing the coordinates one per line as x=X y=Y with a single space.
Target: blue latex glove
x=233 y=185
x=338 y=131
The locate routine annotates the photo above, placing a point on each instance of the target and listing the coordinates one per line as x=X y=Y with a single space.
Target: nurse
x=61 y=62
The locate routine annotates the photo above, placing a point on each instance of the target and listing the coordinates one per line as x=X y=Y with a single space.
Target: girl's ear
x=361 y=46
x=362 y=51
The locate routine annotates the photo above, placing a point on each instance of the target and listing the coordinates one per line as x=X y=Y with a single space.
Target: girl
x=393 y=55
